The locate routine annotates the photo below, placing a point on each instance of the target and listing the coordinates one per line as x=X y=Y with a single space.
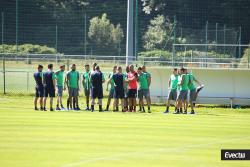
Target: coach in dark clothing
x=119 y=83
x=49 y=86
x=96 y=79
x=39 y=89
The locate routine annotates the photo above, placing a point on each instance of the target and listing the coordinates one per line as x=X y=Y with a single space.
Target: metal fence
x=16 y=71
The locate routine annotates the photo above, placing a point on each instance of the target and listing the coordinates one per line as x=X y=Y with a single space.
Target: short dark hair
x=182 y=69
x=119 y=68
x=139 y=68
x=61 y=66
x=50 y=66
x=97 y=68
x=39 y=66
x=175 y=69
x=86 y=65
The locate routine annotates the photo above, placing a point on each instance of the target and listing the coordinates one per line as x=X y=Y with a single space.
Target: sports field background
x=70 y=139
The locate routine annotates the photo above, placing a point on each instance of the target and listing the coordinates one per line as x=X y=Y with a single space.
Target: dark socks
x=100 y=108
x=107 y=108
x=92 y=108
x=74 y=103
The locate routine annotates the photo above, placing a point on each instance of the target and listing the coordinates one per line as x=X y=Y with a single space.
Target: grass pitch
x=85 y=139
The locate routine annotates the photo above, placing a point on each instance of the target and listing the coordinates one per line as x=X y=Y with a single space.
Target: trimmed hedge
x=27 y=48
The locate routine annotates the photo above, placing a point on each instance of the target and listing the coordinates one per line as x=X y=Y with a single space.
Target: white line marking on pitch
x=141 y=153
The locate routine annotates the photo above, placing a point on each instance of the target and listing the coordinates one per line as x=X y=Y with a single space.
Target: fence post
x=85 y=35
x=206 y=38
x=173 y=52
x=67 y=64
x=4 y=81
x=239 y=42
x=17 y=26
x=216 y=38
x=224 y=39
x=248 y=61
x=4 y=76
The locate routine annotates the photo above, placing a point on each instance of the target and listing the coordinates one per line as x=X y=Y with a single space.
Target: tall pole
x=85 y=34
x=130 y=32
x=206 y=37
x=4 y=81
x=216 y=33
x=56 y=45
x=239 y=43
x=173 y=52
x=17 y=26
x=224 y=39
x=136 y=29
x=2 y=14
x=216 y=37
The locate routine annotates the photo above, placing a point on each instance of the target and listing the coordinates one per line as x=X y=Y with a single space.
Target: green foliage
x=28 y=48
x=156 y=53
x=103 y=33
x=158 y=33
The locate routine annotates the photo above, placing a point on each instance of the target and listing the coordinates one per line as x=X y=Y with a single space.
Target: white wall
x=219 y=83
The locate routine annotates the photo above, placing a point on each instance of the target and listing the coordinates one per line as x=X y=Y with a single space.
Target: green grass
x=65 y=139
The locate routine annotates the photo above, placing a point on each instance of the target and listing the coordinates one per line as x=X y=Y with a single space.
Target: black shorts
x=111 y=93
x=39 y=91
x=119 y=94
x=87 y=92
x=49 y=92
x=132 y=93
x=96 y=93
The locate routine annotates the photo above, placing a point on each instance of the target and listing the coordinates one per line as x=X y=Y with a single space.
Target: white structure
x=222 y=86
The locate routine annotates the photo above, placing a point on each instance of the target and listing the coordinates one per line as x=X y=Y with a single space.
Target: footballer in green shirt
x=183 y=91
x=86 y=85
x=72 y=82
x=193 y=91
x=149 y=80
x=59 y=84
x=172 y=88
x=143 y=89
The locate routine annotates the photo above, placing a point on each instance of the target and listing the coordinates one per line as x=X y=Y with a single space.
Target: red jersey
x=132 y=84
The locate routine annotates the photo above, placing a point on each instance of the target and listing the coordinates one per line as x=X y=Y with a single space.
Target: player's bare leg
x=35 y=103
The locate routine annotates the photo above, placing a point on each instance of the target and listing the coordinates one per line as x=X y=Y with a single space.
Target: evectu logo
x=235 y=154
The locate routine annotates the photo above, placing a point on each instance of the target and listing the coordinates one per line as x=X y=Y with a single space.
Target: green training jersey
x=191 y=84
x=112 y=87
x=173 y=82
x=185 y=81
x=73 y=77
x=59 y=78
x=142 y=81
x=86 y=82
x=148 y=74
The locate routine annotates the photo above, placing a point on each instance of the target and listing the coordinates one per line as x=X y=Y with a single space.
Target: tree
x=158 y=33
x=103 y=33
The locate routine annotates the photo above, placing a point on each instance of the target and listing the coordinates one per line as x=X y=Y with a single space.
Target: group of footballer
x=123 y=88
x=181 y=83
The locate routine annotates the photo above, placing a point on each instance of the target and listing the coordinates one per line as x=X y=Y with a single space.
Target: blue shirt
x=96 y=80
x=118 y=81
x=38 y=76
x=48 y=77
